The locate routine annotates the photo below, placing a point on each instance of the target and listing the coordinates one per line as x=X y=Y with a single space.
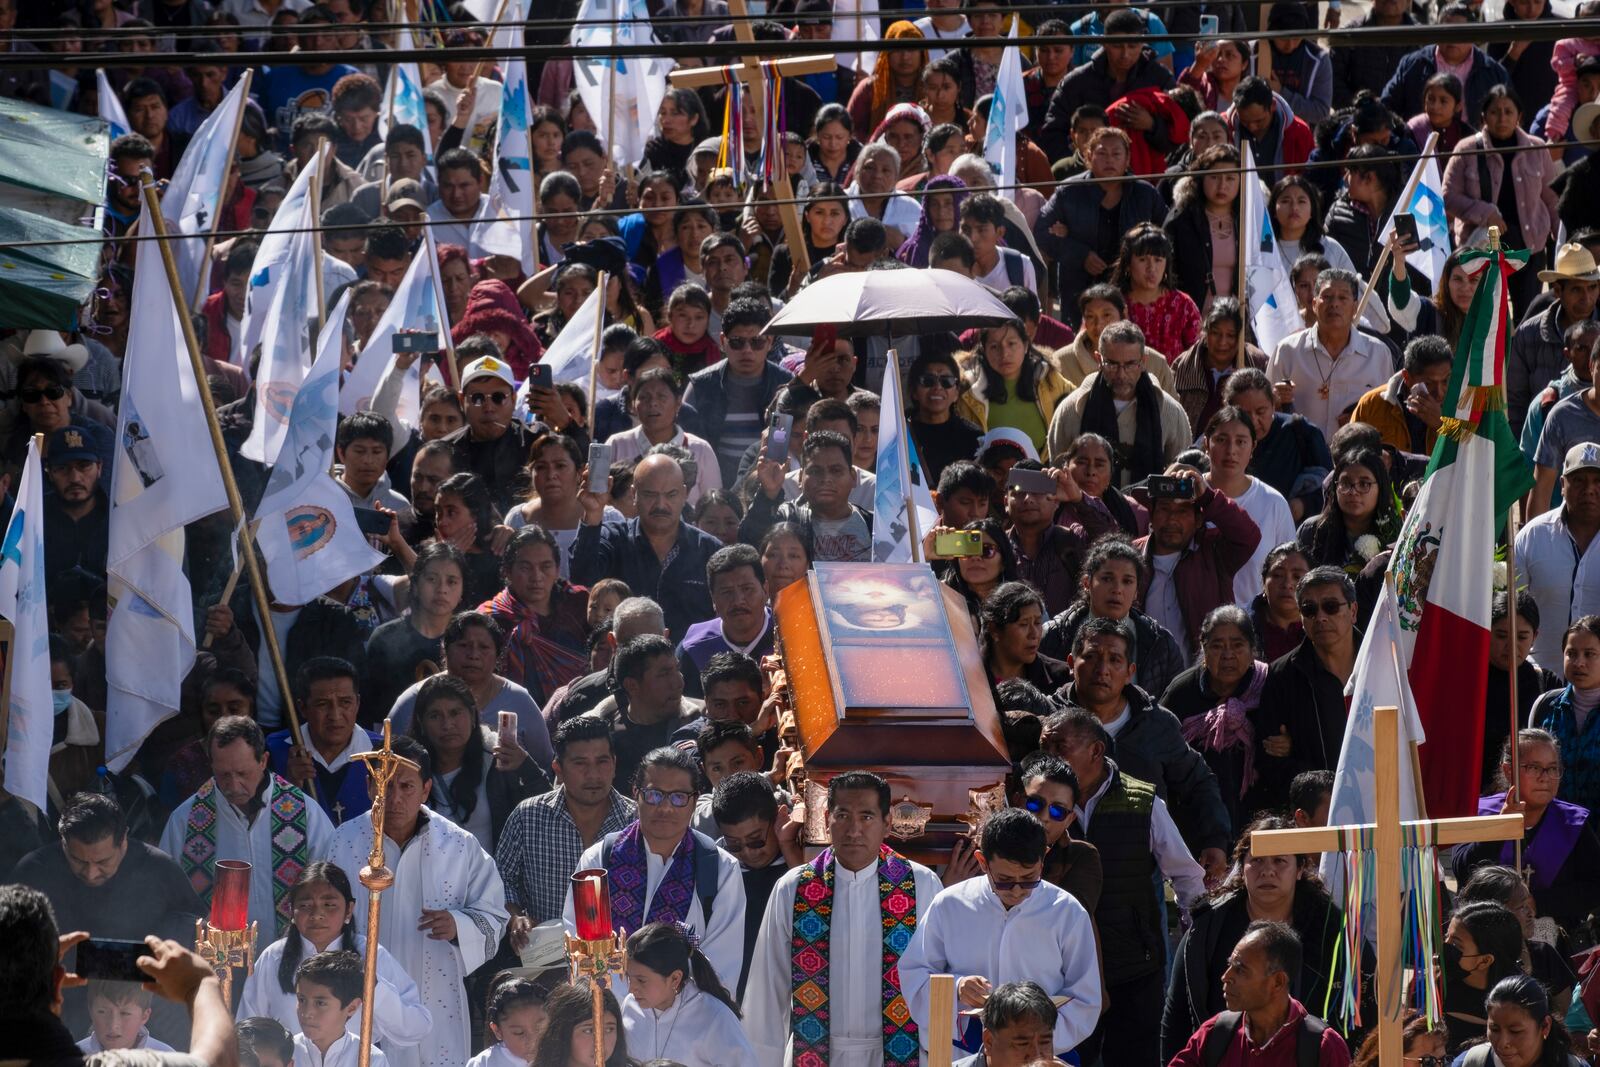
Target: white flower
x=1499 y=575
x=1368 y=546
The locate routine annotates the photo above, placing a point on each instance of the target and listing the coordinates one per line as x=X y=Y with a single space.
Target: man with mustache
x=743 y=622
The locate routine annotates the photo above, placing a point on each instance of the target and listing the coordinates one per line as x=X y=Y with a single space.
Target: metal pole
x=598 y=992
x=258 y=583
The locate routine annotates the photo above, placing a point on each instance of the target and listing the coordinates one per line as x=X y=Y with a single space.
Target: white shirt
x=1124 y=717
x=360 y=741
x=92 y=1043
x=344 y=1052
x=1048 y=939
x=901 y=212
x=399 y=1016
x=934 y=33
x=1161 y=600
x=722 y=940
x=239 y=838
x=453 y=231
x=1301 y=358
x=1266 y=506
x=632 y=443
x=999 y=279
x=1166 y=845
x=1565 y=582
x=496 y=1055
x=855 y=968
x=698 y=1030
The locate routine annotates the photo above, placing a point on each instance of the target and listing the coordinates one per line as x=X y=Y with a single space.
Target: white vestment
x=342 y=1053
x=496 y=1055
x=697 y=1031
x=721 y=940
x=400 y=1019
x=1048 y=939
x=251 y=840
x=442 y=868
x=855 y=968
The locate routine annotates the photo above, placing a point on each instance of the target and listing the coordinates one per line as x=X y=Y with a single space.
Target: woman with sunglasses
x=933 y=384
x=978 y=575
x=1271 y=888
x=1423 y=1043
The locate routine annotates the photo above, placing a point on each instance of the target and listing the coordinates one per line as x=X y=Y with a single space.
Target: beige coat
x=1068 y=421
x=1077 y=361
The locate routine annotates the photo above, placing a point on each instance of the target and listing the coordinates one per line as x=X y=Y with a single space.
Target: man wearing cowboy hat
x=1535 y=355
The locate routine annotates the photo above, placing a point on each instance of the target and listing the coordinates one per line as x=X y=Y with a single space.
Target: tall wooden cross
x=1387 y=838
x=749 y=72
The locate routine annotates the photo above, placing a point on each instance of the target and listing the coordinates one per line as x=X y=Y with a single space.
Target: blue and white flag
x=1274 y=312
x=418 y=304
x=899 y=480
x=190 y=201
x=111 y=107
x=164 y=475
x=857 y=20
x=1427 y=206
x=308 y=533
x=402 y=97
x=283 y=301
x=22 y=602
x=506 y=228
x=631 y=88
x=1008 y=116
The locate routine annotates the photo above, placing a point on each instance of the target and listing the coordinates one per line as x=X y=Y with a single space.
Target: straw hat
x=1574 y=263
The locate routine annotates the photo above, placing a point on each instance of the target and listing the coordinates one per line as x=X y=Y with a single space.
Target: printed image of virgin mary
x=310 y=528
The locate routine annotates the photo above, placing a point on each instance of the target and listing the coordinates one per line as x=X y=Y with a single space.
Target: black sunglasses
x=1328 y=607
x=943 y=381
x=1058 y=812
x=49 y=392
x=497 y=398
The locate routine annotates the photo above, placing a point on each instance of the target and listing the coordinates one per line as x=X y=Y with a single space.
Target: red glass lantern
x=230 y=896
x=591 y=904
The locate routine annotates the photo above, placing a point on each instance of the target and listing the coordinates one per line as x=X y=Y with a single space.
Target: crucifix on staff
x=1390 y=899
x=751 y=75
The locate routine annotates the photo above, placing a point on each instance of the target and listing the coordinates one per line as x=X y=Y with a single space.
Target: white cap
x=488 y=367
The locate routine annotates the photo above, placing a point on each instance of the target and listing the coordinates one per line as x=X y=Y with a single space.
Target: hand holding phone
x=953 y=544
x=508 y=727
x=1405 y=228
x=778 y=431
x=600 y=467
x=110 y=960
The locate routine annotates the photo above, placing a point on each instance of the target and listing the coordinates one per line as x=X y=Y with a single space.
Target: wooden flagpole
x=324 y=154
x=1405 y=198
x=599 y=332
x=941 y=1010
x=258 y=583
x=223 y=192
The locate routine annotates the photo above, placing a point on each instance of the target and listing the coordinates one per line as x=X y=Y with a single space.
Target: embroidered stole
x=1553 y=839
x=810 y=1013
x=289 y=844
x=628 y=872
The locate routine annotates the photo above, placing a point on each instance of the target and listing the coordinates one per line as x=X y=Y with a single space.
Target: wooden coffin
x=884 y=674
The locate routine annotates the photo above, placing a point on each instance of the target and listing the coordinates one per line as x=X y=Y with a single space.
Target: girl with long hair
x=785 y=556
x=324 y=921
x=1204 y=227
x=1295 y=208
x=542 y=614
x=1522 y=1030
x=1445 y=312
x=569 y=1037
x=677 y=1008
x=833 y=148
x=1482 y=947
x=1011 y=624
x=1360 y=519
x=1012 y=385
x=463 y=516
x=1169 y=317
x=680 y=125
x=823 y=219
x=975 y=577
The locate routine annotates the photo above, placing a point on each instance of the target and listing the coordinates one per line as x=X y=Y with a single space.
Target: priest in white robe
x=244 y=813
x=852 y=976
x=659 y=870
x=446 y=913
x=1007 y=925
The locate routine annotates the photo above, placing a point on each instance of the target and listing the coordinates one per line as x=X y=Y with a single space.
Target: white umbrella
x=876 y=303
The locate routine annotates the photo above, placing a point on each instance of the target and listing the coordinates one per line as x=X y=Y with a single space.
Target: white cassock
x=697 y=1031
x=855 y=968
x=721 y=939
x=496 y=1055
x=400 y=1019
x=442 y=868
x=251 y=840
x=344 y=1052
x=1047 y=939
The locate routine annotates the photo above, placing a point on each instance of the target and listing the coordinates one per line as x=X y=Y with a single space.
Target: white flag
x=190 y=202
x=308 y=533
x=630 y=87
x=418 y=304
x=1274 y=313
x=22 y=601
x=507 y=226
x=402 y=98
x=857 y=20
x=164 y=475
x=275 y=265
x=899 y=475
x=1008 y=116
x=283 y=299
x=573 y=350
x=111 y=107
x=1433 y=228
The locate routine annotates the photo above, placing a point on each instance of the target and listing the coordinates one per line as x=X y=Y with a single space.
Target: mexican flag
x=1443 y=562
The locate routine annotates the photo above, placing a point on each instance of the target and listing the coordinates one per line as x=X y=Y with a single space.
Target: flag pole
x=1404 y=199
x=1247 y=182
x=1513 y=788
x=599 y=332
x=903 y=459
x=314 y=192
x=223 y=193
x=258 y=583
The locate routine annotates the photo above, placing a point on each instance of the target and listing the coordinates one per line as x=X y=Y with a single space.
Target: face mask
x=60 y=699
x=1450 y=957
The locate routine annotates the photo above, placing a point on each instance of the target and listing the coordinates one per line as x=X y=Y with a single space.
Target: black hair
x=1428 y=350
x=27 y=966
x=817 y=440
x=1014 y=835
x=952 y=245
x=260 y=1032
x=1004 y=606
x=745 y=312
x=1496 y=932
x=1097 y=627
x=1526 y=992
x=531 y=535
x=1280 y=945
x=1328 y=541
x=1227 y=414
x=339 y=971
x=388 y=242
x=132 y=146
x=463 y=790
x=462 y=621
x=314 y=124
x=1244 y=380
x=581 y=728
x=1527 y=607
x=403 y=133
x=671 y=758
x=91 y=817
x=1126 y=21
x=1308 y=789
x=1047 y=767
x=570 y=1007
x=718 y=732
x=1492 y=882
x=1023 y=302
x=632 y=657
x=663 y=948
x=984 y=208
x=507 y=994
x=410 y=748
x=964 y=474
x=365 y=426
x=865 y=781
x=52 y=371
x=458 y=159
x=437 y=552
x=232 y=677
x=1327 y=575
x=474 y=494
x=1015 y=1002
x=1314 y=239
x=241 y=257
x=318 y=872
x=230 y=728
x=731 y=667
x=323 y=669
x=744 y=795
x=138 y=88
x=866 y=235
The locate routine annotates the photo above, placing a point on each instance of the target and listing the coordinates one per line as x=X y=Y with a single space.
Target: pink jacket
x=1565 y=100
x=1469 y=205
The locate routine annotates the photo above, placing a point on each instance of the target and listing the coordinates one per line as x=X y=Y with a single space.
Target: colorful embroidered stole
x=289 y=844
x=810 y=1015
x=628 y=873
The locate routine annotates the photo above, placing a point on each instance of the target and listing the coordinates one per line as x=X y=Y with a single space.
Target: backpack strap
x=1308 y=1042
x=1014 y=270
x=1219 y=1037
x=706 y=873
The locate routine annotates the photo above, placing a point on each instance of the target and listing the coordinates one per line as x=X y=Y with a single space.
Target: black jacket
x=621 y=550
x=1367 y=67
x=1092 y=84
x=1076 y=204
x=501 y=462
x=1302 y=697
x=1159 y=661
x=765 y=513
x=1190 y=269
x=708 y=393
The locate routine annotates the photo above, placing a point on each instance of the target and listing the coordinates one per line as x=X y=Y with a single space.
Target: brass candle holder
x=598 y=951
x=227 y=940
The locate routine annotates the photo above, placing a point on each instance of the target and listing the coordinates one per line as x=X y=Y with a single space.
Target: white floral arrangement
x=1368 y=546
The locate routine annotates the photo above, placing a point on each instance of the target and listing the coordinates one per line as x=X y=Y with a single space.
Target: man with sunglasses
x=1007 y=925
x=732 y=395
x=658 y=869
x=494 y=445
x=1302 y=714
x=746 y=812
x=1050 y=793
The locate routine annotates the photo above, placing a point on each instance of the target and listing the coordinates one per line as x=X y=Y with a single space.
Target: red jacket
x=1279 y=1050
x=1145 y=159
x=1224 y=541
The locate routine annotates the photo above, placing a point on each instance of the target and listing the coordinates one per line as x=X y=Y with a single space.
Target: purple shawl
x=1553 y=839
x=914 y=253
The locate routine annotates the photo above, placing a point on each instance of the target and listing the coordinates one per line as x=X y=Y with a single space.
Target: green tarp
x=43 y=286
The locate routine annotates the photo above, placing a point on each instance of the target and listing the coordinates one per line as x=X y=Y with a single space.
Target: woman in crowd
x=903 y=130
x=1504 y=886
x=559 y=196
x=873 y=193
x=718 y=514
x=895 y=79
x=1442 y=113
x=479 y=775
x=1419 y=1038
x=1215 y=702
x=1522 y=1030
x=455 y=280
x=692 y=222
x=1295 y=209
x=656 y=399
x=1011 y=385
x=1098 y=307
x=546 y=131
x=823 y=219
x=542 y=615
x=1446 y=311
x=1567 y=713
x=1204 y=227
x=1202 y=369
x=463 y=517
x=403 y=650
x=832 y=147
x=1169 y=317
x=569 y=1037
x=680 y=125
x=574 y=282
x=1205 y=130
x=1482 y=946
x=651 y=233
x=1230 y=443
x=555 y=463
x=1360 y=518
x=1275 y=613
x=1217 y=70
x=677 y=1009
x=933 y=386
x=977 y=576
x=1092 y=462
x=941 y=213
x=785 y=556
x=1012 y=621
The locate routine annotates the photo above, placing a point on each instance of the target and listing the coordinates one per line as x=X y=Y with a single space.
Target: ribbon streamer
x=774 y=126
x=731 y=155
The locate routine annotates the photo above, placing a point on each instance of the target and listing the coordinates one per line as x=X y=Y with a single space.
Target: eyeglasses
x=678 y=798
x=497 y=398
x=743 y=344
x=49 y=392
x=1543 y=770
x=1058 y=812
x=1309 y=608
x=940 y=381
x=1362 y=488
x=1008 y=887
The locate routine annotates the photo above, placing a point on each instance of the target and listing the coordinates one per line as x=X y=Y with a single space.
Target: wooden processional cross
x=750 y=73
x=1386 y=839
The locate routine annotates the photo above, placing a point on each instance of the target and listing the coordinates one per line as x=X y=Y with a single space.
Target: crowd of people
x=1179 y=537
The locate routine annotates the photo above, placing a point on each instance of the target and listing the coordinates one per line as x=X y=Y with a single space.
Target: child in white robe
x=676 y=1007
x=118 y=1013
x=328 y=994
x=517 y=1019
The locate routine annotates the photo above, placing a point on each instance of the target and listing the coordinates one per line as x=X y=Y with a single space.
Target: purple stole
x=1553 y=838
